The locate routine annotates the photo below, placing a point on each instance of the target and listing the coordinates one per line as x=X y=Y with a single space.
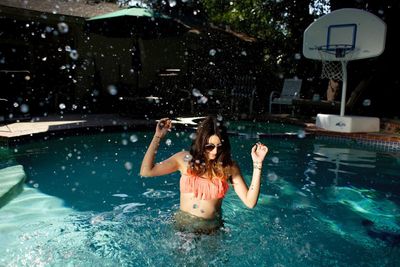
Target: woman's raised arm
x=249 y=196
x=148 y=168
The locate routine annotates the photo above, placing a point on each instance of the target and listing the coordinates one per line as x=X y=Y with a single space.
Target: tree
x=278 y=25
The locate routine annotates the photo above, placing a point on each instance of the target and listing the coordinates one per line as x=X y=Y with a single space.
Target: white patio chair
x=290 y=91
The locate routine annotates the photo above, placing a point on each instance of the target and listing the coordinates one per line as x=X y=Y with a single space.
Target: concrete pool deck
x=57 y=123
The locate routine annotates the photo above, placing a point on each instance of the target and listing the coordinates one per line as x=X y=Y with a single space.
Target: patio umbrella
x=135 y=22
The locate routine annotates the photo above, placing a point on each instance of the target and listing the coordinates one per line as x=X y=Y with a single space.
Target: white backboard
x=345 y=34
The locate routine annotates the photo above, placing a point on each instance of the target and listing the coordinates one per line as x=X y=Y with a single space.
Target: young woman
x=206 y=172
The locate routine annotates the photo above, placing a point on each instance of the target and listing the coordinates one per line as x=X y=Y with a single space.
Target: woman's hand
x=163 y=127
x=258 y=152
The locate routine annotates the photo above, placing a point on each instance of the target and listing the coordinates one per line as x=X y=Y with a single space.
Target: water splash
x=63 y=27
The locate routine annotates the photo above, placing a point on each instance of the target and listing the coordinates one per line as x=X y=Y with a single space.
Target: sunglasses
x=210 y=147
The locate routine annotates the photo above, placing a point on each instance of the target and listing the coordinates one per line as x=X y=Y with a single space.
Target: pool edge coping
x=98 y=123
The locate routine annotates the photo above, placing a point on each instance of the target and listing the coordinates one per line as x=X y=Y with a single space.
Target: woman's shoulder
x=182 y=156
x=182 y=153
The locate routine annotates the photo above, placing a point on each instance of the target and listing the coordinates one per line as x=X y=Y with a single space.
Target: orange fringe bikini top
x=203 y=188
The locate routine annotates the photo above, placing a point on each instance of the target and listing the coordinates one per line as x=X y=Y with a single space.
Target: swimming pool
x=321 y=204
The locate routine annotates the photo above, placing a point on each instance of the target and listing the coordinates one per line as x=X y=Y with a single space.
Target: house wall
x=31 y=41
x=82 y=81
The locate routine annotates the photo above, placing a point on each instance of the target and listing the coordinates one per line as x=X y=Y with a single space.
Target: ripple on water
x=151 y=193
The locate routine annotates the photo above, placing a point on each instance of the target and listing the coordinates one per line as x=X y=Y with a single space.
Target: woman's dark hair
x=199 y=165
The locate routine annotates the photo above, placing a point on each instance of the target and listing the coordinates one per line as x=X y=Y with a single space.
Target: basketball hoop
x=334 y=69
x=342 y=35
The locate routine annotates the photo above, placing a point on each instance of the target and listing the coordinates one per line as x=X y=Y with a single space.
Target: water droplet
x=202 y=100
x=168 y=142
x=128 y=165
x=301 y=134
x=196 y=93
x=172 y=3
x=212 y=52
x=63 y=27
x=74 y=54
x=366 y=102
x=24 y=108
x=272 y=176
x=187 y=158
x=192 y=136
x=112 y=90
x=133 y=138
x=275 y=160
x=297 y=56
x=62 y=106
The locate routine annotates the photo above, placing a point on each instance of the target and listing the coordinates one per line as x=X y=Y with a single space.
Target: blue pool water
x=84 y=204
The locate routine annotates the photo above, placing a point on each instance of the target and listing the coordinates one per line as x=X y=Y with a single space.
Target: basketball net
x=334 y=69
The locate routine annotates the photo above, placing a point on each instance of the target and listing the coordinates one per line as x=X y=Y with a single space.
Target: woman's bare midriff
x=207 y=209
